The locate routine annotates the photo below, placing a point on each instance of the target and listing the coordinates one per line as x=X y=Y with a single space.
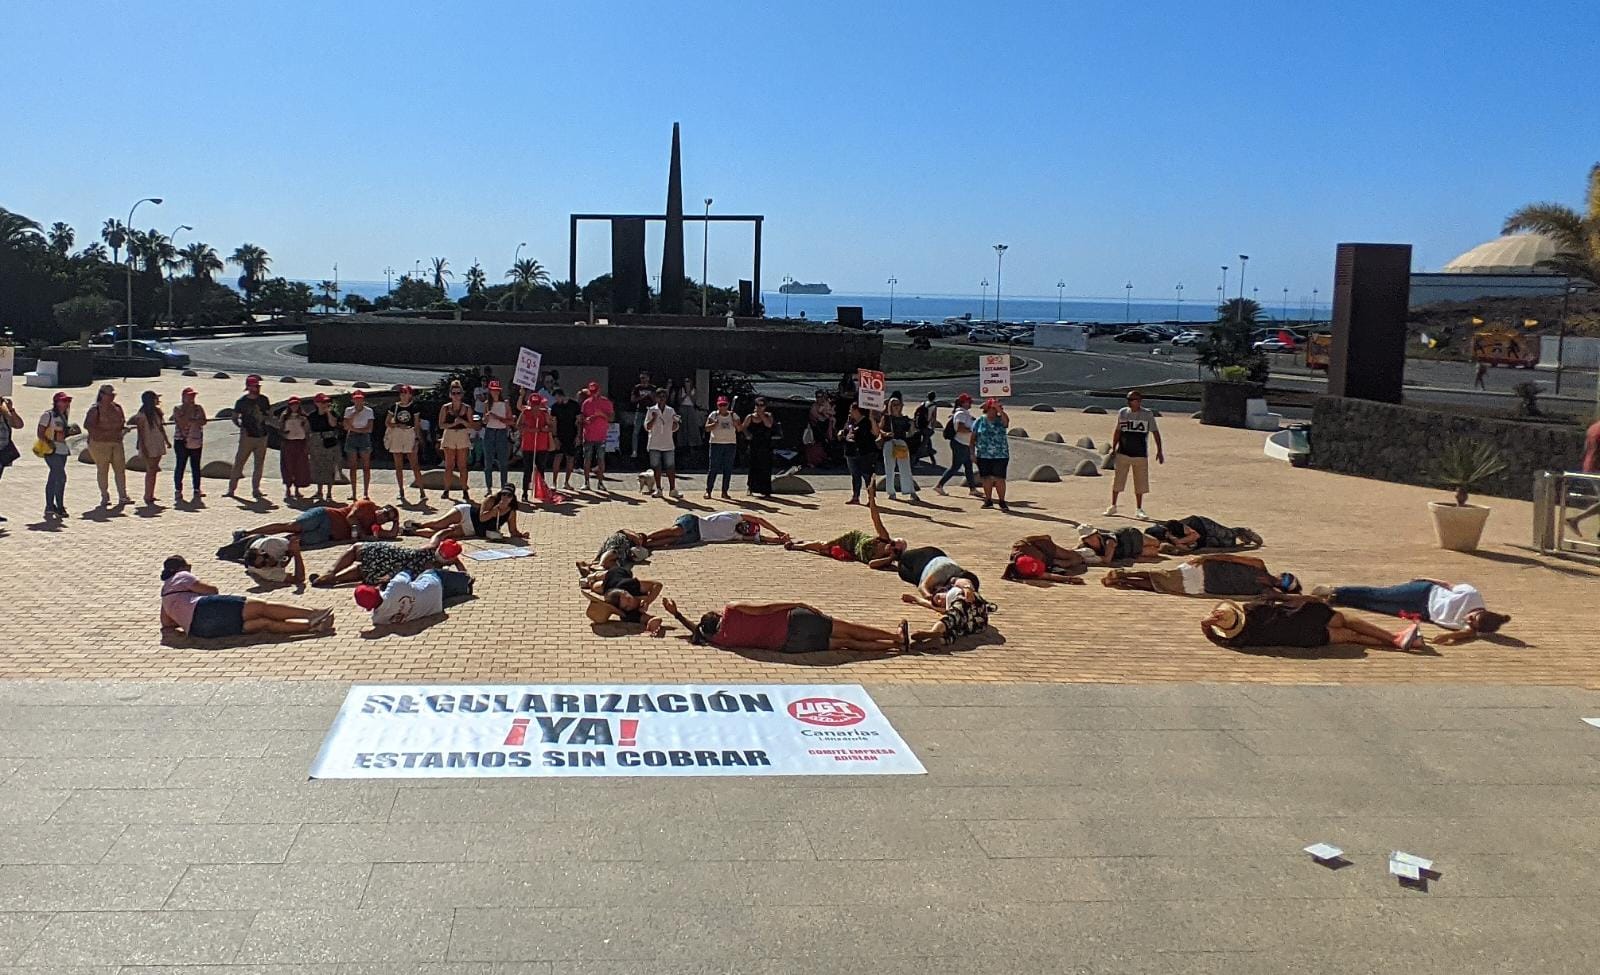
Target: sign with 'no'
x=869 y=389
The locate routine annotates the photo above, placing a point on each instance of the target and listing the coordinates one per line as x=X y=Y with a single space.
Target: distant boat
x=799 y=288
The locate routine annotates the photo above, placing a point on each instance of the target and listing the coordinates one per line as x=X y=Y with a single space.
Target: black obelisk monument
x=671 y=297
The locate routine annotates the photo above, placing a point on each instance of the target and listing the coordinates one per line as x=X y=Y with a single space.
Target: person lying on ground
x=1458 y=607
x=1039 y=557
x=616 y=593
x=407 y=597
x=268 y=558
x=723 y=526
x=332 y=523
x=962 y=612
x=621 y=549
x=931 y=571
x=1197 y=532
x=787 y=628
x=1207 y=575
x=1298 y=622
x=1106 y=547
x=199 y=610
x=493 y=518
x=875 y=550
x=375 y=563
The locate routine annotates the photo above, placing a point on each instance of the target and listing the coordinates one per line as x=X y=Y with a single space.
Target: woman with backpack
x=958 y=432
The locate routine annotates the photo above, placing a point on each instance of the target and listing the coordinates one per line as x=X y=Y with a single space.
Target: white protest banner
x=527 y=374
x=613 y=438
x=535 y=731
x=7 y=369
x=994 y=375
x=869 y=389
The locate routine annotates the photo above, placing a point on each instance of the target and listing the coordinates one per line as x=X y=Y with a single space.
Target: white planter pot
x=1458 y=527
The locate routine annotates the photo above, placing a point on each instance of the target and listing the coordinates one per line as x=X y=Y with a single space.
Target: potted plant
x=1228 y=351
x=1462 y=465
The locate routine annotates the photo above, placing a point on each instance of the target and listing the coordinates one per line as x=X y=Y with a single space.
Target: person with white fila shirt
x=1130 y=446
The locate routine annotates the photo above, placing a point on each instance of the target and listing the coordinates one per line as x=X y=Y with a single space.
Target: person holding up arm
x=991 y=443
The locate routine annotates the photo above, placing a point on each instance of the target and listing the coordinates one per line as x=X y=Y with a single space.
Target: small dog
x=647 y=482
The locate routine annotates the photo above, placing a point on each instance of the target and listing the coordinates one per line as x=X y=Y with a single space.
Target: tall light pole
x=999 y=255
x=149 y=199
x=1180 y=301
x=1561 y=337
x=788 y=279
x=1222 y=291
x=1127 y=303
x=516 y=285
x=1285 y=304
x=172 y=238
x=983 y=302
x=416 y=269
x=388 y=278
x=1244 y=260
x=892 y=282
x=1060 y=284
x=705 y=257
x=1313 y=304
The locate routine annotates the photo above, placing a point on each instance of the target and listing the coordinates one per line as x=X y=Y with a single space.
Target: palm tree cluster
x=1576 y=235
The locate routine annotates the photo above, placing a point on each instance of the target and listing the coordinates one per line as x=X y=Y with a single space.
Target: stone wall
x=1399 y=443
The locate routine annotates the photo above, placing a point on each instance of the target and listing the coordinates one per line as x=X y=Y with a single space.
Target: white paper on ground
x=1402 y=869
x=1592 y=721
x=496 y=554
x=1324 y=851
x=1421 y=863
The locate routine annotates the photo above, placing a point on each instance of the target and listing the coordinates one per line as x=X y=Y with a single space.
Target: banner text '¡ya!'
x=670 y=703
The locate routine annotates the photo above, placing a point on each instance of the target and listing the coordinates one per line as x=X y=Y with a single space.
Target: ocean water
x=936 y=308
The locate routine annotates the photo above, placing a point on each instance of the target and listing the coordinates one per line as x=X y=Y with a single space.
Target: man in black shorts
x=565 y=413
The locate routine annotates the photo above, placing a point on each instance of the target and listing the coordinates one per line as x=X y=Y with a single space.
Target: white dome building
x=1511 y=254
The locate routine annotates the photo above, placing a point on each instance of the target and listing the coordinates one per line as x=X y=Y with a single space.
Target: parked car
x=1190 y=337
x=170 y=355
x=1141 y=335
x=1097 y=329
x=1274 y=345
x=1022 y=338
x=986 y=335
x=1163 y=330
x=924 y=332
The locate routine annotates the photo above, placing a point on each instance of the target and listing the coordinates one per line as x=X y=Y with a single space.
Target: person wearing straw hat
x=1299 y=622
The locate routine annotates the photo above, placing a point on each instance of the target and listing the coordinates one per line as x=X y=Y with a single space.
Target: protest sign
x=994 y=375
x=869 y=389
x=7 y=368
x=508 y=731
x=527 y=374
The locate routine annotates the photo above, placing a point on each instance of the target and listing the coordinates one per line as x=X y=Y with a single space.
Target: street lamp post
x=1285 y=304
x=1244 y=262
x=172 y=238
x=892 y=282
x=705 y=257
x=388 y=278
x=149 y=199
x=1561 y=336
x=788 y=279
x=999 y=256
x=1222 y=290
x=1180 y=301
x=516 y=286
x=1059 y=286
x=1313 y=304
x=1127 y=303
x=983 y=302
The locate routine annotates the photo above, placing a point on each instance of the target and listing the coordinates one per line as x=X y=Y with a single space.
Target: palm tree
x=330 y=294
x=476 y=279
x=115 y=235
x=253 y=261
x=524 y=274
x=1576 y=235
x=93 y=251
x=61 y=238
x=202 y=261
x=153 y=247
x=441 y=271
x=17 y=230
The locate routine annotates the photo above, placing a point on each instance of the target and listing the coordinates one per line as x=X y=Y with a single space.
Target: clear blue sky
x=1104 y=142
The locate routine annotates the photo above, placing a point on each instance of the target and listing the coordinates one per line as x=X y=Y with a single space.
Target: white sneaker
x=1110 y=511
x=1140 y=512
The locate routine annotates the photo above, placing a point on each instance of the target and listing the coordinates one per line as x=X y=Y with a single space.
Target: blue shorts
x=690 y=524
x=358 y=443
x=217 y=616
x=456 y=584
x=666 y=460
x=315 y=527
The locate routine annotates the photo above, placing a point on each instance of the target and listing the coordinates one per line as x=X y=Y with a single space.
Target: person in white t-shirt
x=403 y=599
x=661 y=424
x=269 y=557
x=960 y=429
x=1458 y=607
x=358 y=423
x=722 y=526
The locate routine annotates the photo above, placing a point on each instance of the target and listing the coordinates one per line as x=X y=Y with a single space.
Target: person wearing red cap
x=400 y=440
x=958 y=432
x=188 y=439
x=533 y=428
x=54 y=429
x=250 y=415
x=497 y=423
x=455 y=437
x=323 y=447
x=597 y=415
x=359 y=421
x=992 y=445
x=107 y=424
x=722 y=434
x=294 y=451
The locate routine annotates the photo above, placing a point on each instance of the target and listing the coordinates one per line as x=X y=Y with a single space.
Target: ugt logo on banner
x=869 y=389
x=827 y=711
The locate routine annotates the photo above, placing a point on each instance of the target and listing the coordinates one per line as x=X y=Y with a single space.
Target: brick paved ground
x=81 y=600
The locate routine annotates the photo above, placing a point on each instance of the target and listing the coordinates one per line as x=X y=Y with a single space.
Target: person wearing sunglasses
x=455 y=438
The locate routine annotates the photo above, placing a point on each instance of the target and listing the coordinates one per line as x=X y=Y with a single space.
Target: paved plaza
x=1106 y=791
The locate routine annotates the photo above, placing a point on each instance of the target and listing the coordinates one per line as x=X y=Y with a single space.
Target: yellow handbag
x=42 y=449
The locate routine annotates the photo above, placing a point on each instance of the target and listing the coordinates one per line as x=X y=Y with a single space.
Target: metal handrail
x=1565 y=539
